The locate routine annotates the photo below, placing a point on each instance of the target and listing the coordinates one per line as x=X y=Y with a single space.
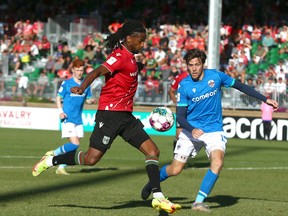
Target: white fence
x=231 y=98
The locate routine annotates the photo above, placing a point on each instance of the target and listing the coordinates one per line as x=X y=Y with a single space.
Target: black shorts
x=110 y=124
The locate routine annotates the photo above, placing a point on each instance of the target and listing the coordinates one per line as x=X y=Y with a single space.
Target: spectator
x=270 y=72
x=66 y=51
x=41 y=85
x=100 y=55
x=269 y=87
x=33 y=51
x=260 y=54
x=58 y=65
x=164 y=41
x=44 y=47
x=151 y=88
x=281 y=70
x=23 y=85
x=151 y=62
x=89 y=53
x=89 y=40
x=160 y=56
x=114 y=26
x=237 y=71
x=268 y=41
x=174 y=72
x=15 y=62
x=246 y=98
x=280 y=91
x=49 y=65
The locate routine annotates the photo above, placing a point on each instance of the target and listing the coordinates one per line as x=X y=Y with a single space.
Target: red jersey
x=178 y=79
x=121 y=84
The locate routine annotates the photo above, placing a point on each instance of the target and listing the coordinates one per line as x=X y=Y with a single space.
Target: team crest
x=105 y=140
x=211 y=83
x=194 y=90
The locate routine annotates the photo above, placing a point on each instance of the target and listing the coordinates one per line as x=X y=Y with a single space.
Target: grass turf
x=252 y=182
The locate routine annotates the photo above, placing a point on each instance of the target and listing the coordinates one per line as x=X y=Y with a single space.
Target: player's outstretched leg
x=165 y=205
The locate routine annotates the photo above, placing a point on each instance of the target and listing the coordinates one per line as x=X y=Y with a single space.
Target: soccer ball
x=161 y=119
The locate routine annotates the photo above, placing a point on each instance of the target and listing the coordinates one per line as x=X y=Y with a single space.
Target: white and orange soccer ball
x=161 y=119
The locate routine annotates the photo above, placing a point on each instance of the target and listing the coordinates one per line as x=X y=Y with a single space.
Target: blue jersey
x=203 y=99
x=73 y=103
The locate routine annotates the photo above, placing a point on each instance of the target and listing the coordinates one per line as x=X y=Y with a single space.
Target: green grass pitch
x=253 y=181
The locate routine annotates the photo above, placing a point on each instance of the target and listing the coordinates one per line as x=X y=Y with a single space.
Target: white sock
x=49 y=162
x=158 y=195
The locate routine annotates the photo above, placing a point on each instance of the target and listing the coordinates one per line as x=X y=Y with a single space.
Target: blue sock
x=67 y=147
x=163 y=173
x=207 y=185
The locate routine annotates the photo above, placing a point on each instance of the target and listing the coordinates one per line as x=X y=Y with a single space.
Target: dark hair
x=128 y=28
x=195 y=53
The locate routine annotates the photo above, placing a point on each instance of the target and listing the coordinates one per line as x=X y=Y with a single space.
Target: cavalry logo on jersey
x=211 y=83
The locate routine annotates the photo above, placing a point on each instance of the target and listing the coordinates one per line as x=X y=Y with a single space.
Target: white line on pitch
x=129 y=168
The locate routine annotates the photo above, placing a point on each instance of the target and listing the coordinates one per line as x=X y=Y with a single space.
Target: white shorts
x=71 y=130
x=187 y=146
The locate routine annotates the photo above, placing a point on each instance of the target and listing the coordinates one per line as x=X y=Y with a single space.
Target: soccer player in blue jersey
x=199 y=113
x=71 y=112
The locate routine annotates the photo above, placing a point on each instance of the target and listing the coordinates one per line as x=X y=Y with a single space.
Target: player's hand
x=272 y=103
x=62 y=116
x=77 y=90
x=196 y=133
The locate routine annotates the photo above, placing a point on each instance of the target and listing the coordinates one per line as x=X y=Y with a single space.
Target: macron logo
x=101 y=124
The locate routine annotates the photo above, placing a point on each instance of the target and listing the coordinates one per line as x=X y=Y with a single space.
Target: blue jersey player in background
x=70 y=108
x=199 y=113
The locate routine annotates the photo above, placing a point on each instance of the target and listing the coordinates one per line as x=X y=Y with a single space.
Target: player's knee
x=154 y=152
x=90 y=160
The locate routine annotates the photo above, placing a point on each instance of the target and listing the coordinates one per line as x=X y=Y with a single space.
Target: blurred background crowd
x=253 y=46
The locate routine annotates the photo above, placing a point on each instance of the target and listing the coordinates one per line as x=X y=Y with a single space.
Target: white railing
x=231 y=98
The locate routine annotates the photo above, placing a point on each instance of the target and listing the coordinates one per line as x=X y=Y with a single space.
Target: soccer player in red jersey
x=114 y=116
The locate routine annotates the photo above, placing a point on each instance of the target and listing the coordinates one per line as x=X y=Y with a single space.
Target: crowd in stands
x=253 y=54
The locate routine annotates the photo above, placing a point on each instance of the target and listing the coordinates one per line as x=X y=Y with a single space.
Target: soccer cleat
x=61 y=171
x=200 y=207
x=146 y=191
x=50 y=153
x=40 y=166
x=165 y=205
